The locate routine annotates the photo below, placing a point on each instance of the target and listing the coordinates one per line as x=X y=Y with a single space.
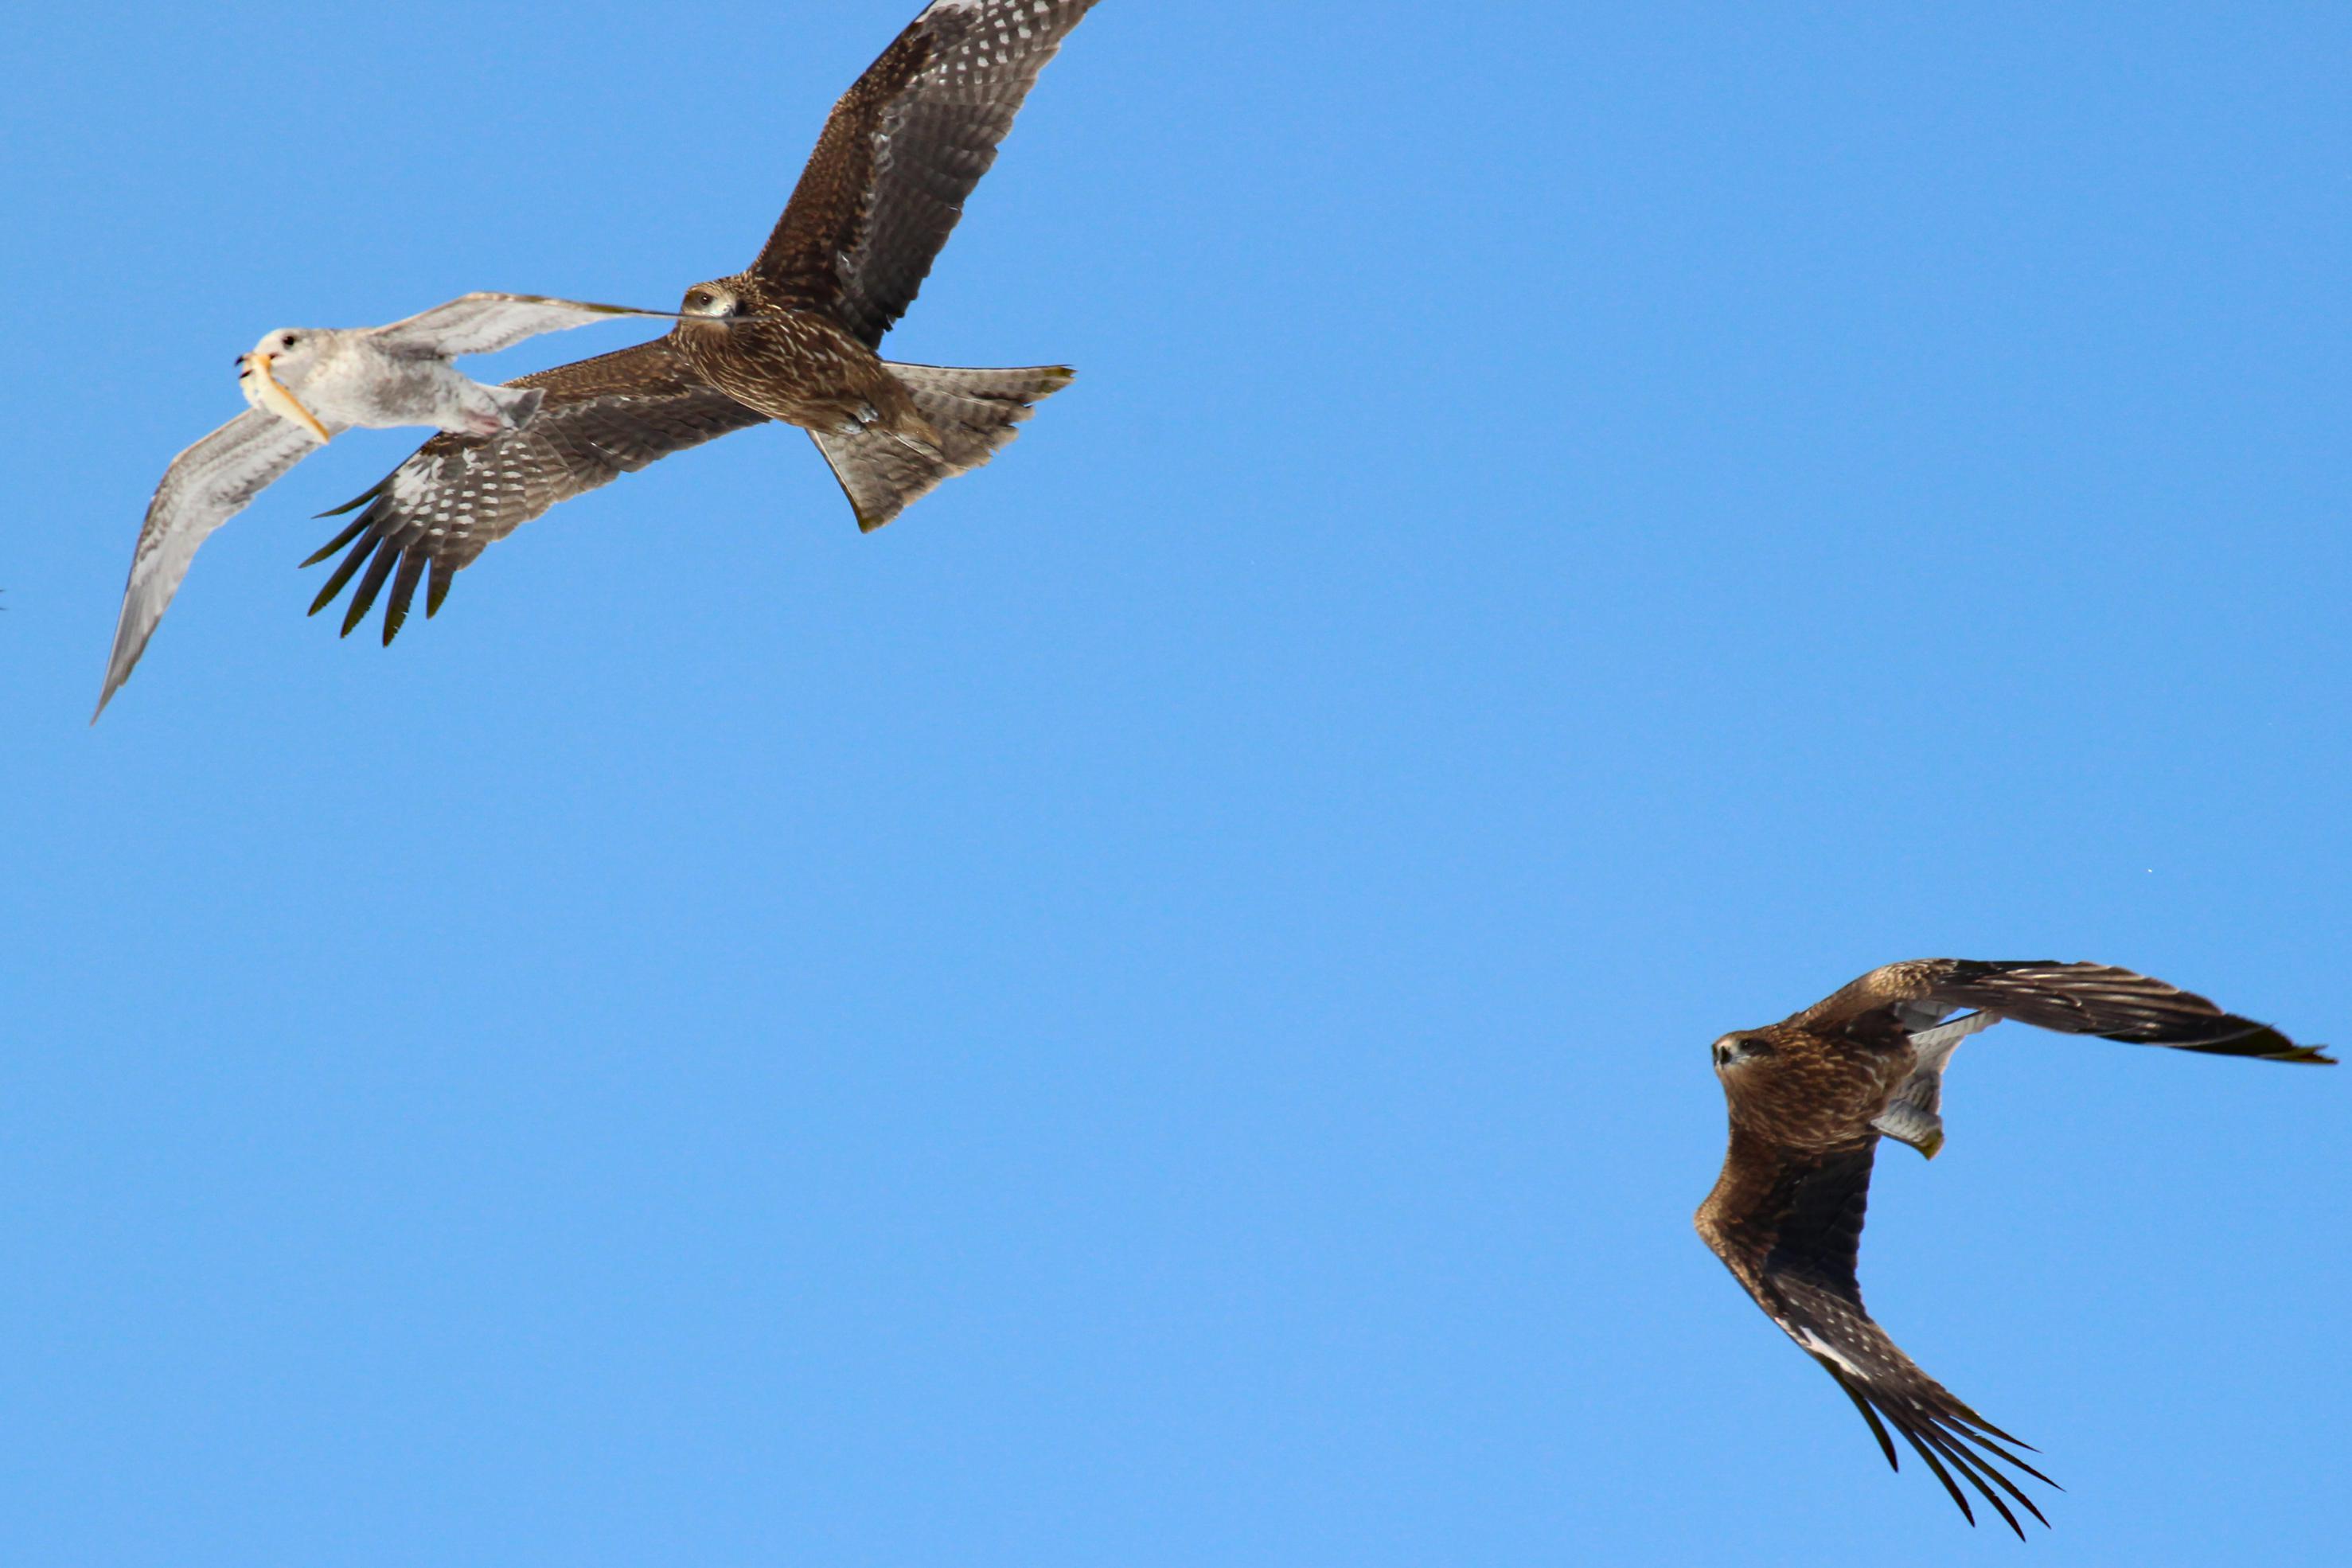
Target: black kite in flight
x=791 y=338
x=1810 y=1098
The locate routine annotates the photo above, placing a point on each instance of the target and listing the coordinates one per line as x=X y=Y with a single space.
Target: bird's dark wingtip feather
x=404 y=589
x=357 y=501
x=1942 y=1440
x=1989 y=1446
x=2263 y=1043
x=1973 y=1424
x=2315 y=1055
x=363 y=596
x=1976 y=1471
x=1942 y=1474
x=1969 y=1473
x=443 y=574
x=1877 y=1428
x=335 y=543
x=342 y=574
x=1951 y=1434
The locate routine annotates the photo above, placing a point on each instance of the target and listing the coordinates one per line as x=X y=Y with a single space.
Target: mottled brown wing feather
x=1793 y=1247
x=457 y=495
x=807 y=251
x=2073 y=998
x=2099 y=999
x=901 y=151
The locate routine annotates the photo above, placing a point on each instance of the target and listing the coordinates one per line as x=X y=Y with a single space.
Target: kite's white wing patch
x=1823 y=1349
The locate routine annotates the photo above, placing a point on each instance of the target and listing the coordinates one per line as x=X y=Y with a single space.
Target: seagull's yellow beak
x=276 y=399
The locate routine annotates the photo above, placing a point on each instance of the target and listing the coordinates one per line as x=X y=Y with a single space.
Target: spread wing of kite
x=1809 y=1098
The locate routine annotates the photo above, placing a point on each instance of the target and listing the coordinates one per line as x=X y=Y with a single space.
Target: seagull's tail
x=971 y=411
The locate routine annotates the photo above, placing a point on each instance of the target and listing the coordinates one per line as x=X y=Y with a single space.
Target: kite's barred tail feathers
x=974 y=413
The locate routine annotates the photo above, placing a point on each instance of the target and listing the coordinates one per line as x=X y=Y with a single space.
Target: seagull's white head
x=291 y=345
x=288 y=349
x=711 y=302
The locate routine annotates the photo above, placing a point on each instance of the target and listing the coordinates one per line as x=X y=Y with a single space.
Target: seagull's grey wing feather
x=484 y=323
x=205 y=486
x=901 y=151
x=457 y=495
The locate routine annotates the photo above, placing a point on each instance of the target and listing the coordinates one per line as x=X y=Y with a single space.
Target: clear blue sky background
x=1155 y=1011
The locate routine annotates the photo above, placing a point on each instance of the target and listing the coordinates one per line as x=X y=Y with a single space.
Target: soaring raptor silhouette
x=792 y=337
x=1809 y=1096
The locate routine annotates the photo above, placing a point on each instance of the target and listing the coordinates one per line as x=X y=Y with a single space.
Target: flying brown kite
x=791 y=337
x=1809 y=1096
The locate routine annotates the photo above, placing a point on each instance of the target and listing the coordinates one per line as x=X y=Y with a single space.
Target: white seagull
x=307 y=385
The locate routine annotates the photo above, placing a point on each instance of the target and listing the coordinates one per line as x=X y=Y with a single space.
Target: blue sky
x=1155 y=1010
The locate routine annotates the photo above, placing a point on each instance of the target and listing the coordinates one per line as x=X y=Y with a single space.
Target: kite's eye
x=291 y=339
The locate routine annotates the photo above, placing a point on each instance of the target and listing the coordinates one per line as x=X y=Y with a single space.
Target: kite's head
x=286 y=349
x=1734 y=1052
x=711 y=302
x=1769 y=1083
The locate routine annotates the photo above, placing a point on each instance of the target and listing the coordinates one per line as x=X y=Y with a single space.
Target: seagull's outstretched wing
x=902 y=149
x=484 y=323
x=457 y=495
x=205 y=486
x=1787 y=1224
x=2073 y=998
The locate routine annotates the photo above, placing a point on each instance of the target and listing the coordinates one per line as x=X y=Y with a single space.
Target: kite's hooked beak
x=263 y=391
